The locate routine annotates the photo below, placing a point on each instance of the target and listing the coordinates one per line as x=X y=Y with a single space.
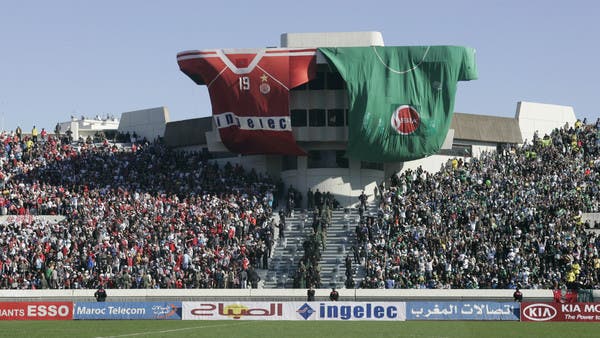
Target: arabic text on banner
x=462 y=311
x=294 y=311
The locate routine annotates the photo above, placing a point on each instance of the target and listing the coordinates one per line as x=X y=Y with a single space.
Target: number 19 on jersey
x=244 y=82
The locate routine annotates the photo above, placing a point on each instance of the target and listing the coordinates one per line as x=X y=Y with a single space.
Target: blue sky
x=62 y=58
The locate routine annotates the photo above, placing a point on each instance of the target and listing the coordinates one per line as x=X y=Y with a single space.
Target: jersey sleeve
x=468 y=66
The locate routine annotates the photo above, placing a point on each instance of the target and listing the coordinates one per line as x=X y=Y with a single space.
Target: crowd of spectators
x=507 y=219
x=135 y=216
x=143 y=216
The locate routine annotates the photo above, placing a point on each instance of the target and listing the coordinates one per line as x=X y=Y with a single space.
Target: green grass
x=313 y=329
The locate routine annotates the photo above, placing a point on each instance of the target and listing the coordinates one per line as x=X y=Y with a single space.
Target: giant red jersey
x=249 y=92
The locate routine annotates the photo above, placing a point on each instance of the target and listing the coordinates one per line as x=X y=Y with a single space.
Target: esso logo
x=405 y=120
x=47 y=311
x=539 y=312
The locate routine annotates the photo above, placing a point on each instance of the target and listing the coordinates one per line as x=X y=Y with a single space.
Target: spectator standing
x=34 y=134
x=100 y=294
x=334 y=295
x=310 y=294
x=518 y=295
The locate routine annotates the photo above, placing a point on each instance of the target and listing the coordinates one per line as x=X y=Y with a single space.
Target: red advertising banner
x=557 y=312
x=36 y=311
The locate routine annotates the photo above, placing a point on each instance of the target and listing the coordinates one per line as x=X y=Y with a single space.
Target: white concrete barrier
x=278 y=294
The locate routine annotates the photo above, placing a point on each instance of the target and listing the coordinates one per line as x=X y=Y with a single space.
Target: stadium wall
x=542 y=117
x=149 y=123
x=277 y=295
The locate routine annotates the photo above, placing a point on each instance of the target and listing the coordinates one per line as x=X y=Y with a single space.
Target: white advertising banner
x=294 y=311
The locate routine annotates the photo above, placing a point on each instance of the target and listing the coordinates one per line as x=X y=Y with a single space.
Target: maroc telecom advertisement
x=36 y=311
x=294 y=311
x=558 y=312
x=128 y=310
x=462 y=311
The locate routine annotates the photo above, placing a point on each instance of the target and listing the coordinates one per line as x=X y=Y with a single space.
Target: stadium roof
x=485 y=128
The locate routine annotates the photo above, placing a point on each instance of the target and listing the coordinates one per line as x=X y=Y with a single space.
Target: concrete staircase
x=287 y=252
x=340 y=238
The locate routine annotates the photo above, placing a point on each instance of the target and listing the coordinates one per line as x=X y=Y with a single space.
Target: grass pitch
x=313 y=329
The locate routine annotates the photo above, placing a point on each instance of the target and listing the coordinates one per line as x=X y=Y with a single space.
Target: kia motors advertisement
x=36 y=311
x=557 y=312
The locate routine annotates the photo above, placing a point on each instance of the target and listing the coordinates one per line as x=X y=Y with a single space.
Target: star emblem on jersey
x=264 y=86
x=405 y=120
x=305 y=311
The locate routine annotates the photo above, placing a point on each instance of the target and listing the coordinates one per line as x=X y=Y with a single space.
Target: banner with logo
x=350 y=311
x=293 y=311
x=234 y=310
x=401 y=99
x=29 y=219
x=36 y=311
x=462 y=311
x=128 y=310
x=249 y=94
x=557 y=312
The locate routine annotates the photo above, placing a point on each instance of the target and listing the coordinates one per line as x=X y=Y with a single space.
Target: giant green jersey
x=401 y=99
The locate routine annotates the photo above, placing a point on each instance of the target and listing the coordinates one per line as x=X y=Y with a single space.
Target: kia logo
x=539 y=312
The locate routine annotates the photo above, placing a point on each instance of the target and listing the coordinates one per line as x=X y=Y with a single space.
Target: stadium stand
x=143 y=216
x=506 y=219
x=136 y=216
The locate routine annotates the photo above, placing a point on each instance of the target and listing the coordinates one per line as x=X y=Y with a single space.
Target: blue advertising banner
x=462 y=311
x=128 y=310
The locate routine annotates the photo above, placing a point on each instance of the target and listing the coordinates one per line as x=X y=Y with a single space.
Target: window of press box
x=300 y=87
x=460 y=150
x=298 y=118
x=317 y=83
x=326 y=159
x=371 y=165
x=316 y=118
x=335 y=117
x=289 y=162
x=335 y=81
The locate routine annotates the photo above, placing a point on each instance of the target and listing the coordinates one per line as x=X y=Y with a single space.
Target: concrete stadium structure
x=319 y=115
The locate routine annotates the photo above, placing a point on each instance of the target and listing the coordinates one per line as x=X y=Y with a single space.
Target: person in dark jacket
x=334 y=295
x=310 y=294
x=100 y=294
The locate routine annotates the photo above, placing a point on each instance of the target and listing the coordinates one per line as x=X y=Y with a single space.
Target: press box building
x=319 y=118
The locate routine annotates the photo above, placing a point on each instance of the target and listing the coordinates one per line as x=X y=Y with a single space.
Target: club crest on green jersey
x=405 y=120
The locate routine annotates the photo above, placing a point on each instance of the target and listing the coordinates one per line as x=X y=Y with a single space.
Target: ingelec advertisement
x=293 y=311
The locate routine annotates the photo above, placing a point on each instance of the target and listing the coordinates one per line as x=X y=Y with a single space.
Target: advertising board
x=293 y=311
x=462 y=311
x=36 y=310
x=128 y=310
x=557 y=312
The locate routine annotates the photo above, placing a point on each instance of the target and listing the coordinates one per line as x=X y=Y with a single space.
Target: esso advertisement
x=36 y=311
x=557 y=312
